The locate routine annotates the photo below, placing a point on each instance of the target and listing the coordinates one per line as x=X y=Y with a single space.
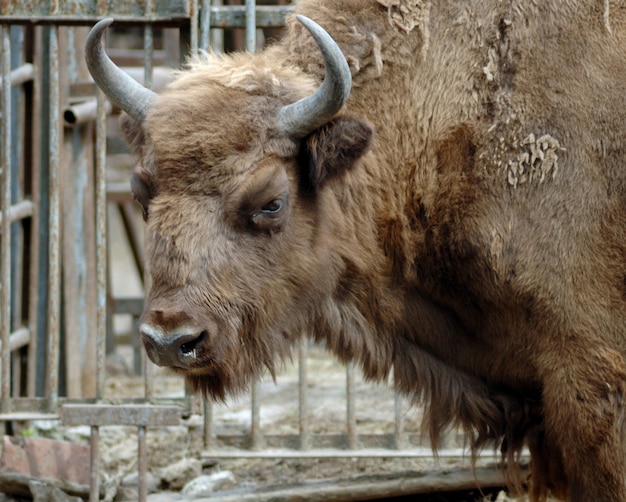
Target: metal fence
x=59 y=147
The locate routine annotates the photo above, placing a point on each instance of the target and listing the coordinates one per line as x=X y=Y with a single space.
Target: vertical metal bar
x=194 y=27
x=255 y=425
x=148 y=55
x=217 y=35
x=207 y=406
x=205 y=25
x=398 y=421
x=94 y=473
x=101 y=243
x=148 y=70
x=142 y=463
x=54 y=220
x=251 y=25
x=303 y=350
x=5 y=250
x=351 y=406
x=35 y=144
x=39 y=251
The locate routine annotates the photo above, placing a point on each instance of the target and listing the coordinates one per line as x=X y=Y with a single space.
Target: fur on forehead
x=262 y=74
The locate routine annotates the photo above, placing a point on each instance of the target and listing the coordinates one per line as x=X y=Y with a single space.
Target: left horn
x=120 y=88
x=304 y=116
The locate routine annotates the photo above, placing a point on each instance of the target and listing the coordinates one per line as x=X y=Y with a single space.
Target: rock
x=126 y=493
x=43 y=492
x=180 y=473
x=132 y=481
x=46 y=458
x=206 y=484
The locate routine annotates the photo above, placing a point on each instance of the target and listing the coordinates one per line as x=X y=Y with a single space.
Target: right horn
x=120 y=88
x=304 y=116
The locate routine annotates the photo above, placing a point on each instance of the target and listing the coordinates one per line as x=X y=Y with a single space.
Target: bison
x=434 y=190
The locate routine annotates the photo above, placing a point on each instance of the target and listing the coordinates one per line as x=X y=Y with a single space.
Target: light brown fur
x=500 y=306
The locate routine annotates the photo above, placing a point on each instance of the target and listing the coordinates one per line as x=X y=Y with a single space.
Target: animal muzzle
x=176 y=349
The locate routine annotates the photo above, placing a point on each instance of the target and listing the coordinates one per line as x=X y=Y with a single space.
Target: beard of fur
x=256 y=351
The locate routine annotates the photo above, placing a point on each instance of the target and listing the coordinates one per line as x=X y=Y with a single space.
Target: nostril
x=189 y=348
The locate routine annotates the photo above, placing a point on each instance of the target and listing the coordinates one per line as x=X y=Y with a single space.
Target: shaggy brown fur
x=460 y=227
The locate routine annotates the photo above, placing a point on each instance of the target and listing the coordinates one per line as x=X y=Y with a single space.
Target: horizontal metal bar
x=21 y=75
x=19 y=339
x=231 y=16
x=82 y=113
x=94 y=8
x=40 y=405
x=421 y=452
x=19 y=211
x=234 y=16
x=144 y=415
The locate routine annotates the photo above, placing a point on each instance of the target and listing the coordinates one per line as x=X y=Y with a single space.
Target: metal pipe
x=398 y=421
x=305 y=442
x=351 y=406
x=148 y=73
x=84 y=112
x=142 y=463
x=35 y=291
x=19 y=339
x=251 y=25
x=19 y=211
x=5 y=206
x=101 y=243
x=194 y=28
x=205 y=25
x=21 y=75
x=54 y=222
x=94 y=469
x=207 y=406
x=255 y=425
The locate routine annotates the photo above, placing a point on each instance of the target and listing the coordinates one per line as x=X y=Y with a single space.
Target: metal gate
x=57 y=308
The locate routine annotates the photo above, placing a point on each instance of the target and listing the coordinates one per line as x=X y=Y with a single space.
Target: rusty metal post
x=207 y=407
x=256 y=439
x=204 y=38
x=35 y=321
x=54 y=221
x=101 y=243
x=303 y=350
x=5 y=233
x=251 y=25
x=398 y=421
x=194 y=39
x=142 y=462
x=94 y=481
x=351 y=406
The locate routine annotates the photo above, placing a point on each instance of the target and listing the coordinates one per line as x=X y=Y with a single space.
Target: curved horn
x=304 y=116
x=120 y=88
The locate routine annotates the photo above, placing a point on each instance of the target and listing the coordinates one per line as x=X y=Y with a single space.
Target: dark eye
x=273 y=207
x=272 y=215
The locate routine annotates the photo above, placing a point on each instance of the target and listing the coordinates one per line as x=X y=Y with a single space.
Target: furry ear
x=333 y=149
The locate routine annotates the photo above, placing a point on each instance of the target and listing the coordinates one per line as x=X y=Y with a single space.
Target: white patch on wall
x=537 y=163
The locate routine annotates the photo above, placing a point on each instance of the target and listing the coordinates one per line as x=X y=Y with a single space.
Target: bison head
x=236 y=159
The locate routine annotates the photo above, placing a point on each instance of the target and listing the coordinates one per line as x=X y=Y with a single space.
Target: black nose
x=178 y=349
